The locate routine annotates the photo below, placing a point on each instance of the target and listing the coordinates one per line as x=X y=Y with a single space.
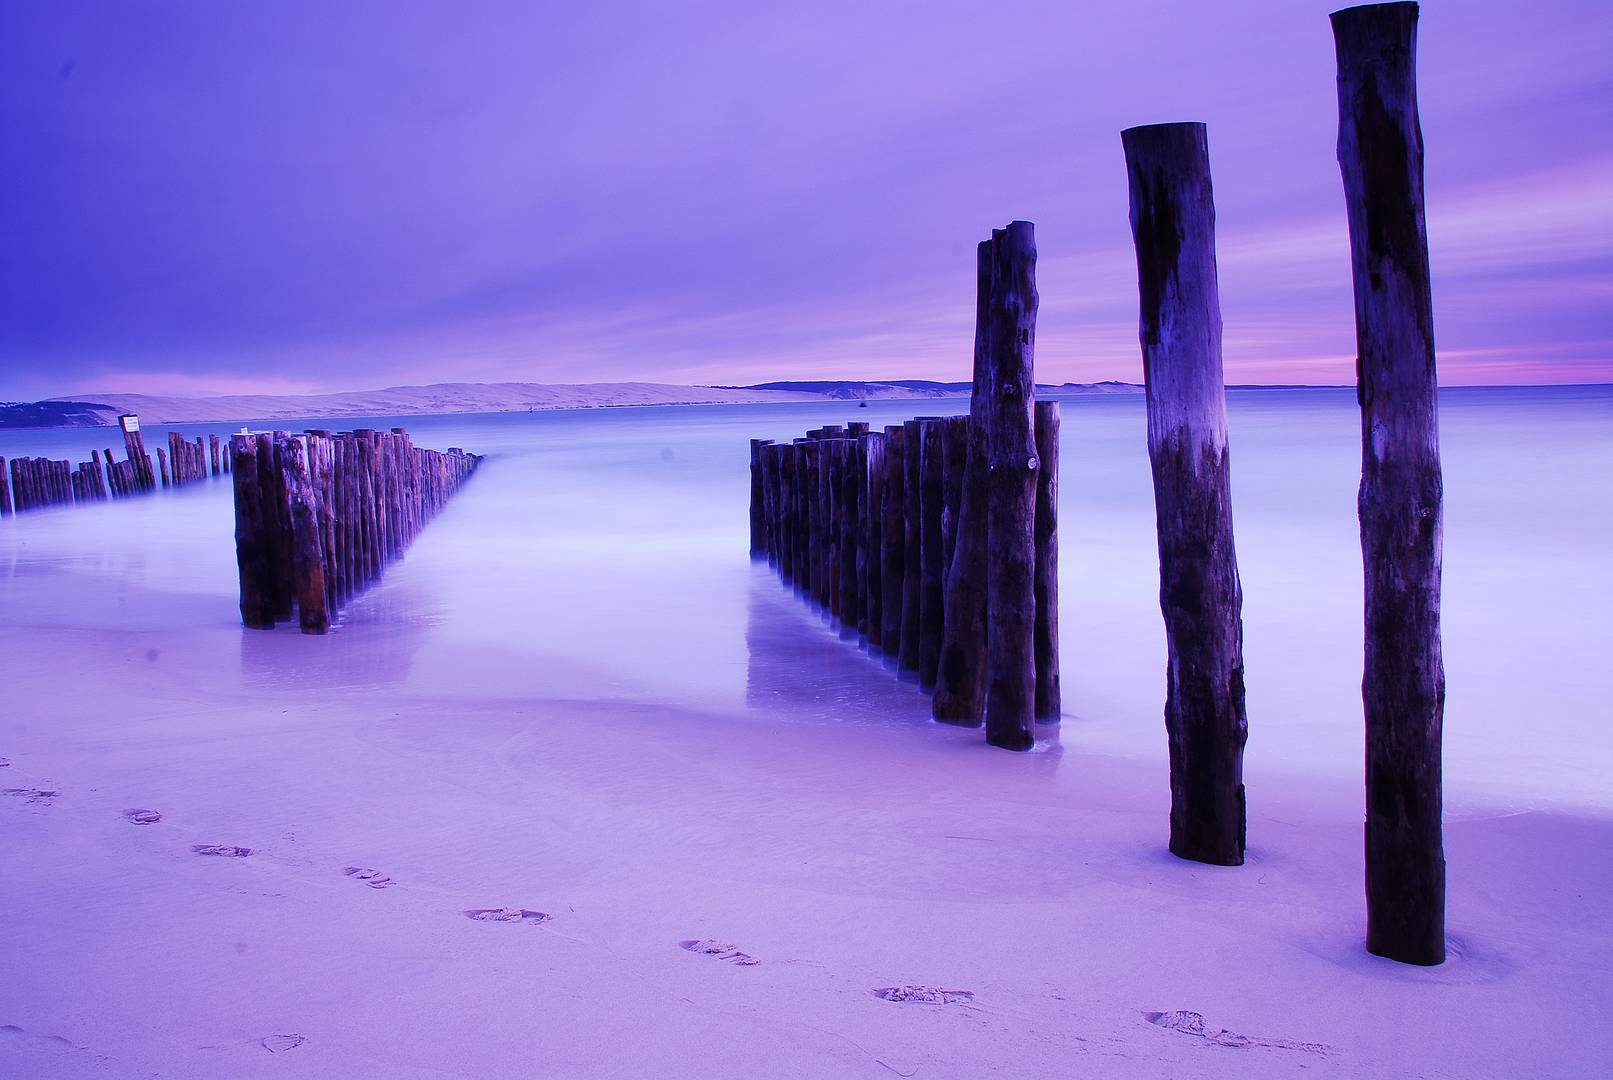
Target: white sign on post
x=130 y=423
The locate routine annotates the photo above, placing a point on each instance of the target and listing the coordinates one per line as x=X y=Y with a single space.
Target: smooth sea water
x=602 y=554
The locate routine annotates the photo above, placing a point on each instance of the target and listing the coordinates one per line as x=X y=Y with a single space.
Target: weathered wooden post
x=1049 y=703
x=5 y=490
x=871 y=551
x=960 y=687
x=932 y=571
x=1010 y=448
x=955 y=450
x=1173 y=223
x=913 y=531
x=1401 y=498
x=307 y=561
x=251 y=535
x=892 y=540
x=213 y=454
x=850 y=505
x=134 y=445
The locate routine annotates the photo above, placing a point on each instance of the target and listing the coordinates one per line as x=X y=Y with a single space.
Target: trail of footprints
x=1181 y=1021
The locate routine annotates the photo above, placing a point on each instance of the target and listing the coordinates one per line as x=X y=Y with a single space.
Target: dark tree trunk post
x=835 y=453
x=307 y=563
x=135 y=445
x=251 y=535
x=1048 y=701
x=826 y=531
x=1173 y=223
x=960 y=686
x=932 y=544
x=1401 y=498
x=1010 y=446
x=213 y=454
x=892 y=541
x=851 y=498
x=785 y=508
x=162 y=459
x=5 y=490
x=811 y=484
x=871 y=550
x=762 y=482
x=955 y=447
x=913 y=531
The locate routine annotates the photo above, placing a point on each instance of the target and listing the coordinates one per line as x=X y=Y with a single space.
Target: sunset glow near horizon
x=292 y=198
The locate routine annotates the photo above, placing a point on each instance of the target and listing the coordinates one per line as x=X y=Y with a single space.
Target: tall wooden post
x=1049 y=702
x=1401 y=498
x=307 y=560
x=960 y=686
x=892 y=541
x=913 y=530
x=135 y=445
x=252 y=545
x=5 y=490
x=850 y=503
x=1011 y=465
x=932 y=570
x=871 y=551
x=1173 y=223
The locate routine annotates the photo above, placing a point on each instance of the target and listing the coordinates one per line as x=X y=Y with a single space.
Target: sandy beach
x=703 y=834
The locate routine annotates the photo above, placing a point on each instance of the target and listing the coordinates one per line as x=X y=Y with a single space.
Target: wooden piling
x=893 y=540
x=758 y=527
x=307 y=560
x=252 y=536
x=1011 y=465
x=1380 y=153
x=1173 y=223
x=851 y=508
x=1049 y=699
x=932 y=570
x=912 y=529
x=5 y=490
x=213 y=454
x=961 y=676
x=870 y=548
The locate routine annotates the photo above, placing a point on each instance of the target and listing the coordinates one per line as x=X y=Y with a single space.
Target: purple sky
x=203 y=197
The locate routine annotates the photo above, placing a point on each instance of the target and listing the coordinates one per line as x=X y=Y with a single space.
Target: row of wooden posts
x=34 y=483
x=795 y=490
x=889 y=532
x=317 y=515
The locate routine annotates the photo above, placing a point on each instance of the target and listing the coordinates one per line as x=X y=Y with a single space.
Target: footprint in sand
x=38 y=796
x=228 y=851
x=142 y=817
x=373 y=878
x=508 y=914
x=1192 y=1024
x=707 y=947
x=279 y=1044
x=15 y=1037
x=4 y=762
x=925 y=995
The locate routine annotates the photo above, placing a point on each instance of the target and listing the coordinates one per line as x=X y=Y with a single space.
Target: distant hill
x=29 y=414
x=901 y=388
x=438 y=398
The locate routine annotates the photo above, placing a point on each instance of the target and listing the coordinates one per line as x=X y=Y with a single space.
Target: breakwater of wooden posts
x=33 y=483
x=318 y=516
x=868 y=525
x=888 y=532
